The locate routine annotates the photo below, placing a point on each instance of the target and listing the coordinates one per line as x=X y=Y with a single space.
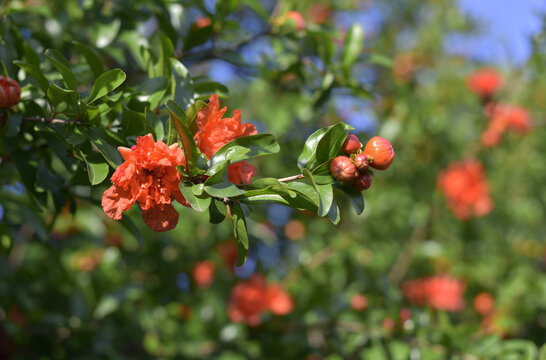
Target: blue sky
x=505 y=31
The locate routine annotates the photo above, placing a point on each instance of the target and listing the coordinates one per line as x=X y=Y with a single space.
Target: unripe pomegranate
x=381 y=151
x=363 y=181
x=361 y=162
x=10 y=92
x=351 y=145
x=343 y=169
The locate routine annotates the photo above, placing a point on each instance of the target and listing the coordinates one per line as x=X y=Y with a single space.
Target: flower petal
x=116 y=200
x=161 y=218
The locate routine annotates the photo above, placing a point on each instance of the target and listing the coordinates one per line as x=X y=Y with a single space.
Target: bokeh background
x=410 y=278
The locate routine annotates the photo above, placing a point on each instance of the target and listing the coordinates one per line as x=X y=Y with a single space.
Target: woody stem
x=291 y=178
x=50 y=121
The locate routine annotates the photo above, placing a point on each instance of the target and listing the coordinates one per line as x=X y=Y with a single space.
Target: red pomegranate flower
x=250 y=298
x=466 y=189
x=203 y=273
x=149 y=176
x=505 y=117
x=484 y=82
x=484 y=303
x=214 y=132
x=438 y=292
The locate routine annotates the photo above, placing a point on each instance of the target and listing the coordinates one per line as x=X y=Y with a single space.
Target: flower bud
x=10 y=92
x=382 y=152
x=361 y=162
x=343 y=169
x=351 y=145
x=363 y=181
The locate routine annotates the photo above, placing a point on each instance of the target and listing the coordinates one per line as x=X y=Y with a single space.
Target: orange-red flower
x=359 y=302
x=250 y=298
x=466 y=189
x=503 y=117
x=438 y=292
x=215 y=131
x=148 y=176
x=484 y=82
x=203 y=273
x=484 y=303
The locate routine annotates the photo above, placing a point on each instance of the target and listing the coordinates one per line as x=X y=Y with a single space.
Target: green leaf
x=382 y=60
x=243 y=148
x=93 y=60
x=199 y=203
x=13 y=125
x=191 y=115
x=322 y=174
x=204 y=89
x=218 y=184
x=324 y=193
x=62 y=99
x=106 y=83
x=102 y=34
x=333 y=214
x=110 y=152
x=354 y=42
x=307 y=157
x=329 y=146
x=239 y=230
x=166 y=52
x=154 y=89
x=217 y=211
x=356 y=197
x=58 y=60
x=182 y=85
x=133 y=122
x=178 y=118
x=97 y=170
x=35 y=73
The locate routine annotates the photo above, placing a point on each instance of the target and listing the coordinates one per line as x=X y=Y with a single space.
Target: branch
x=291 y=178
x=50 y=121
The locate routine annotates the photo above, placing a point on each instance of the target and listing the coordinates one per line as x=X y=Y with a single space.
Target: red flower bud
x=343 y=169
x=10 y=92
x=351 y=145
x=363 y=181
x=381 y=151
x=361 y=162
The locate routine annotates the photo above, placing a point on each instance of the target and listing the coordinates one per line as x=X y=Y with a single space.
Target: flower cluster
x=250 y=298
x=503 y=118
x=439 y=292
x=148 y=176
x=215 y=131
x=466 y=189
x=378 y=154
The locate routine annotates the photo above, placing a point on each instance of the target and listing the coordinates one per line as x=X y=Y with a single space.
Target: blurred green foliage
x=78 y=285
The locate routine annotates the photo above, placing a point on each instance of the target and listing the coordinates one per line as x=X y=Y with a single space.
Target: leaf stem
x=291 y=178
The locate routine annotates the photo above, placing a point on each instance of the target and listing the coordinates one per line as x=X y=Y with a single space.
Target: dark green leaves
x=58 y=60
x=178 y=118
x=323 y=145
x=218 y=185
x=199 y=202
x=35 y=73
x=239 y=230
x=243 y=148
x=106 y=83
x=94 y=61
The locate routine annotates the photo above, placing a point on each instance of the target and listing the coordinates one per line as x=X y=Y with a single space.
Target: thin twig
x=50 y=121
x=291 y=178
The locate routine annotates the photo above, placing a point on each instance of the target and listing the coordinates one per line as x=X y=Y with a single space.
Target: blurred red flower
x=203 y=273
x=484 y=82
x=466 y=189
x=250 y=298
x=359 y=302
x=484 y=303
x=439 y=292
x=214 y=132
x=149 y=176
x=503 y=117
